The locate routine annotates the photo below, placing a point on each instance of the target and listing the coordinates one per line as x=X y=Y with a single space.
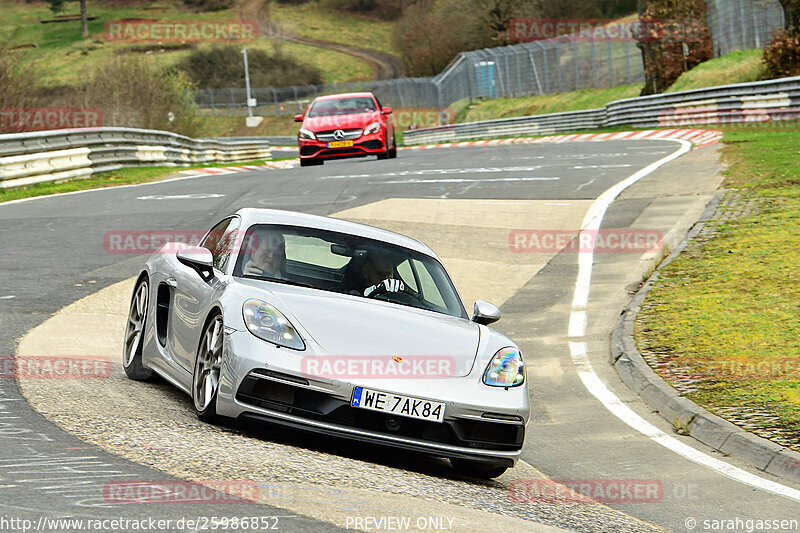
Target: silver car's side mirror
x=198 y=258
x=485 y=313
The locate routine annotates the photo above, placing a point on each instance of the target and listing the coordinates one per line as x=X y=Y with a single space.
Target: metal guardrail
x=275 y=140
x=763 y=101
x=34 y=157
x=504 y=127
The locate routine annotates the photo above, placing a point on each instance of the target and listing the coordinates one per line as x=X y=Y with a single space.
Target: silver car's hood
x=344 y=325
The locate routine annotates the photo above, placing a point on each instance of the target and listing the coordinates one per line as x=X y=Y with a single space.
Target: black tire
x=477 y=469
x=207 y=368
x=385 y=153
x=310 y=162
x=393 y=149
x=134 y=332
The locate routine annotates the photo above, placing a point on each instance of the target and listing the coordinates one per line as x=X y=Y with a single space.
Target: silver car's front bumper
x=481 y=422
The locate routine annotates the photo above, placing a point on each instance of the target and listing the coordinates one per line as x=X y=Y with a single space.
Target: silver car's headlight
x=269 y=324
x=307 y=134
x=374 y=127
x=506 y=369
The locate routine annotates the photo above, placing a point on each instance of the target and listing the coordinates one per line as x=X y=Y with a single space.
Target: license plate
x=397 y=404
x=340 y=144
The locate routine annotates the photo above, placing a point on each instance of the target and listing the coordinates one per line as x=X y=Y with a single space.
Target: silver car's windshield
x=348 y=264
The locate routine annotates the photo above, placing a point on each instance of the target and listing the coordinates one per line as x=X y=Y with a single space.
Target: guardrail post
x=558 y=68
x=575 y=61
x=627 y=61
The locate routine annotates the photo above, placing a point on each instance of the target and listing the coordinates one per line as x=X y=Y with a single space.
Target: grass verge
x=64 y=57
x=723 y=320
x=123 y=176
x=543 y=104
x=316 y=20
x=737 y=67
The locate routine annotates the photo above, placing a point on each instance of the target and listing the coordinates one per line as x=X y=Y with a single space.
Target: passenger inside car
x=268 y=256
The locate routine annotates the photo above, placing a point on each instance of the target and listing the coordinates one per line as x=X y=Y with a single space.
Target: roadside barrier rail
x=756 y=102
x=41 y=156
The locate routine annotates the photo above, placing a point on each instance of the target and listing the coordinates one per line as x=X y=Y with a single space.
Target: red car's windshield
x=342 y=106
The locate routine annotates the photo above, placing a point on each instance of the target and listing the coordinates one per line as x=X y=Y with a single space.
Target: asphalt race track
x=464 y=202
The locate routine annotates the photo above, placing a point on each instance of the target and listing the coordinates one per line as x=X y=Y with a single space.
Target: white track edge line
x=593 y=383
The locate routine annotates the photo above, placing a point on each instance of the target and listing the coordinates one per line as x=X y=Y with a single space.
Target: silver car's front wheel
x=207 y=367
x=134 y=333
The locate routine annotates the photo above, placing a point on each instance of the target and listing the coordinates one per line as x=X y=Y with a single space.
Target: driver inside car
x=379 y=276
x=376 y=277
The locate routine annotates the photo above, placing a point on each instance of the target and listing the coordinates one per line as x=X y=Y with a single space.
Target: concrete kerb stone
x=785 y=464
x=686 y=416
x=751 y=448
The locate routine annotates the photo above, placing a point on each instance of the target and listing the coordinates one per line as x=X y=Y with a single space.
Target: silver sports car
x=334 y=327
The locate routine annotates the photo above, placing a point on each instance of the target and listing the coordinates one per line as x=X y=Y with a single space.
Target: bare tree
x=57 y=6
x=84 y=20
x=791 y=9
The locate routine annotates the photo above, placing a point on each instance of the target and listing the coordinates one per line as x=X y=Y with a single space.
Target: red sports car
x=345 y=125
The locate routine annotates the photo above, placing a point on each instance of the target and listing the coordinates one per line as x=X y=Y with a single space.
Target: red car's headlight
x=373 y=127
x=307 y=134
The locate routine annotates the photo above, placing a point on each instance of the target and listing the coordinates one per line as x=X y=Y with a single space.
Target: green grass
x=736 y=67
x=335 y=66
x=735 y=298
x=64 y=58
x=313 y=19
x=542 y=104
x=234 y=126
x=124 y=176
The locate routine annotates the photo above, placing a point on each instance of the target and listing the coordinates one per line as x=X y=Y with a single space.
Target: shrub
x=683 y=25
x=383 y=9
x=209 y=5
x=16 y=79
x=223 y=66
x=431 y=33
x=782 y=54
x=132 y=91
x=583 y=9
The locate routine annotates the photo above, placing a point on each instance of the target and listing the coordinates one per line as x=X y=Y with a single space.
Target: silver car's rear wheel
x=134 y=333
x=207 y=367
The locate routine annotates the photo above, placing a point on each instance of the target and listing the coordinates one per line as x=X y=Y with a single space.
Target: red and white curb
x=698 y=138
x=286 y=163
